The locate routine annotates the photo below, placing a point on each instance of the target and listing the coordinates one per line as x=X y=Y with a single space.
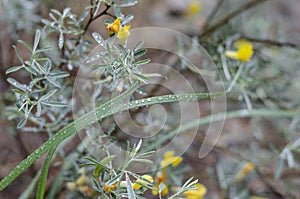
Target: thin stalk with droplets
x=101 y=112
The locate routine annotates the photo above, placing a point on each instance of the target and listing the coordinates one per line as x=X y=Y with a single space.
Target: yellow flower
x=194 y=8
x=198 y=193
x=145 y=180
x=245 y=171
x=81 y=180
x=114 y=27
x=123 y=34
x=169 y=158
x=71 y=185
x=108 y=189
x=244 y=51
x=161 y=177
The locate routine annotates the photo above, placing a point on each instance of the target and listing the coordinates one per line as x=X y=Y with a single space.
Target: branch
x=230 y=16
x=211 y=16
x=271 y=42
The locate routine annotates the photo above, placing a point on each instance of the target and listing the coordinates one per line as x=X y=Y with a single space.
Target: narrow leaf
x=44 y=173
x=36 y=40
x=61 y=40
x=130 y=191
x=54 y=103
x=13 y=69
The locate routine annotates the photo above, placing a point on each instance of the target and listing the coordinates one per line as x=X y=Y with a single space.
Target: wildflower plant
x=128 y=117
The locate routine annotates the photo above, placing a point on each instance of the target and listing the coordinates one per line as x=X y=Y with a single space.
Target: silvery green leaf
x=48 y=95
x=25 y=44
x=54 y=103
x=279 y=168
x=142 y=62
x=98 y=39
x=46 y=22
x=17 y=91
x=140 y=53
x=117 y=11
x=38 y=109
x=58 y=74
x=34 y=81
x=43 y=49
x=40 y=67
x=13 y=69
x=16 y=84
x=127 y=19
x=66 y=12
x=18 y=54
x=30 y=70
x=36 y=40
x=56 y=12
x=130 y=191
x=138 y=46
x=107 y=159
x=47 y=65
x=53 y=82
x=146 y=161
x=127 y=3
x=61 y=40
x=83 y=15
x=22 y=123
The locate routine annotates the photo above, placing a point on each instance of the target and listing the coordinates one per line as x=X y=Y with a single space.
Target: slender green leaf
x=44 y=173
x=127 y=3
x=14 y=69
x=36 y=40
x=130 y=191
x=17 y=84
x=18 y=54
x=54 y=103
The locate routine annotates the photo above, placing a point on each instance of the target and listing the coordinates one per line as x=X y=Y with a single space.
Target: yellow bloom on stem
x=245 y=171
x=244 y=51
x=169 y=158
x=198 y=193
x=145 y=180
x=194 y=8
x=114 y=27
x=161 y=177
x=123 y=34
x=108 y=189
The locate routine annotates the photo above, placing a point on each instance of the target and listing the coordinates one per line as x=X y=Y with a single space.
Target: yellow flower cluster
x=116 y=27
x=244 y=51
x=80 y=183
x=161 y=177
x=198 y=193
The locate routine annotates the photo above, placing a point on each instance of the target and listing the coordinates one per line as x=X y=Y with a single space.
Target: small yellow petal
x=231 y=54
x=244 y=51
x=71 y=185
x=123 y=34
x=81 y=180
x=114 y=27
x=198 y=193
x=145 y=180
x=245 y=171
